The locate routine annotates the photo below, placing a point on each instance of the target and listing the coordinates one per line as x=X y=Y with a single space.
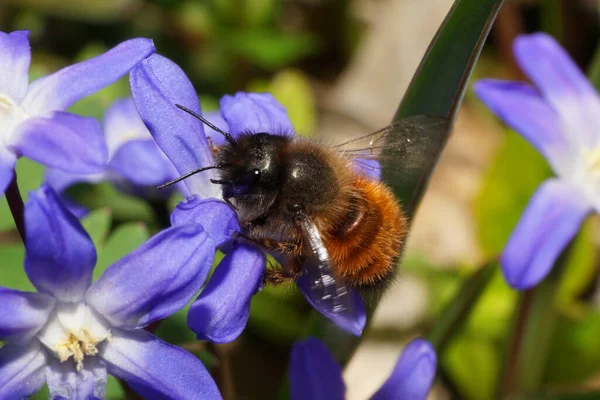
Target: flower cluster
x=74 y=331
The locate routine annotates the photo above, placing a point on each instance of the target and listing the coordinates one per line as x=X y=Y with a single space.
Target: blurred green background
x=341 y=68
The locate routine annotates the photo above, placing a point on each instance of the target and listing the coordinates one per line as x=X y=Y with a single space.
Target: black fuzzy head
x=252 y=174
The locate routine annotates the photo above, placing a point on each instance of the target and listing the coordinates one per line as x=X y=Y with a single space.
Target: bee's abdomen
x=366 y=245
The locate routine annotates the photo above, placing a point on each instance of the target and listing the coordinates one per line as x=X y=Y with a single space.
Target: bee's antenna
x=182 y=177
x=228 y=136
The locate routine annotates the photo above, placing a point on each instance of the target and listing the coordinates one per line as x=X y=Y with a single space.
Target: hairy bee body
x=270 y=178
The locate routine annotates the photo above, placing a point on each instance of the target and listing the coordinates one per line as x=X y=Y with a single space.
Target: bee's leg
x=290 y=272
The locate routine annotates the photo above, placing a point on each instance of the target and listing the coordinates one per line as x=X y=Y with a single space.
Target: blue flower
x=135 y=163
x=221 y=311
x=72 y=332
x=560 y=117
x=314 y=374
x=32 y=118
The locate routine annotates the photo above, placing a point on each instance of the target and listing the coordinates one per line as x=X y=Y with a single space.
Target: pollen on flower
x=592 y=157
x=78 y=346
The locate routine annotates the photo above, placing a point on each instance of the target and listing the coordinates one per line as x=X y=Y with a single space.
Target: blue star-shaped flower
x=72 y=332
x=560 y=117
x=32 y=118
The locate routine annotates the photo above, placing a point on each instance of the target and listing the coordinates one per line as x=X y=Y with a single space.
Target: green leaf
x=97 y=225
x=457 y=312
x=12 y=273
x=513 y=177
x=124 y=207
x=439 y=84
x=472 y=364
x=270 y=49
x=580 y=270
x=123 y=241
x=575 y=344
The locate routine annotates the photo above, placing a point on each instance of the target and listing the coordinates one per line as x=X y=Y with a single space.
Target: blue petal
x=526 y=112
x=221 y=311
x=216 y=217
x=22 y=370
x=142 y=163
x=65 y=141
x=157 y=279
x=413 y=374
x=552 y=218
x=156 y=369
x=255 y=112
x=157 y=84
x=7 y=168
x=60 y=256
x=314 y=374
x=15 y=55
x=64 y=381
x=123 y=123
x=58 y=91
x=23 y=314
x=562 y=84
x=351 y=320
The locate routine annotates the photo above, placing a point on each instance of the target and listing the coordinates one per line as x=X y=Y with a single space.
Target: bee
x=317 y=208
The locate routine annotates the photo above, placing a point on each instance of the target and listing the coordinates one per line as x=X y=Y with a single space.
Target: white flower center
x=75 y=330
x=11 y=116
x=592 y=159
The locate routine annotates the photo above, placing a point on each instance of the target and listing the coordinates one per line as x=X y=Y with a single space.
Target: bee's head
x=251 y=172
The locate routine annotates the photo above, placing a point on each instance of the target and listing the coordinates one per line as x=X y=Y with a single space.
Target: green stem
x=530 y=339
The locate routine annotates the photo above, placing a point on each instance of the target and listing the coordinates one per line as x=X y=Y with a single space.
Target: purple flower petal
x=255 y=112
x=142 y=163
x=216 y=217
x=123 y=123
x=215 y=118
x=551 y=219
x=157 y=279
x=352 y=320
x=64 y=381
x=563 y=84
x=526 y=112
x=157 y=84
x=65 y=141
x=7 y=168
x=14 y=67
x=60 y=256
x=58 y=91
x=221 y=311
x=22 y=370
x=156 y=369
x=413 y=374
x=23 y=314
x=314 y=374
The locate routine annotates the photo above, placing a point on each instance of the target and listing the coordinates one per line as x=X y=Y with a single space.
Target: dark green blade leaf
x=438 y=86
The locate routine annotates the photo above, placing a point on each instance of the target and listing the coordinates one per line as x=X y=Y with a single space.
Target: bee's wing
x=402 y=147
x=326 y=289
x=322 y=288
